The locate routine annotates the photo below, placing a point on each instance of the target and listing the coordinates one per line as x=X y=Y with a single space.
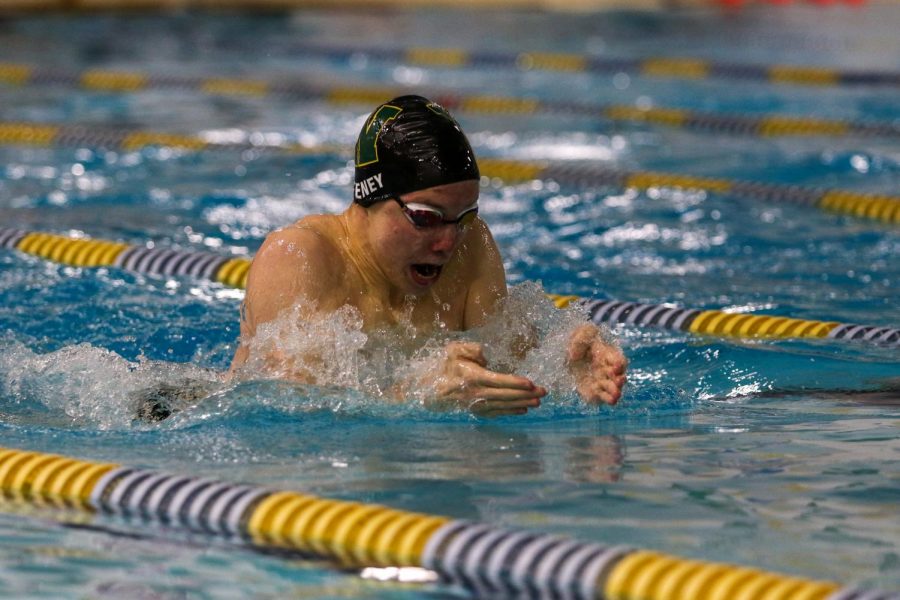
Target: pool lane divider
x=667 y=67
x=233 y=272
x=670 y=67
x=484 y=559
x=767 y=125
x=130 y=139
x=139 y=259
x=880 y=207
x=727 y=324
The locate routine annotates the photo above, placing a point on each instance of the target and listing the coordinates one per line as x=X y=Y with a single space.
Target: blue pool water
x=759 y=453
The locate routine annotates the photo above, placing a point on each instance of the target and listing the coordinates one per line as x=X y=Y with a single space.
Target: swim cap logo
x=367 y=144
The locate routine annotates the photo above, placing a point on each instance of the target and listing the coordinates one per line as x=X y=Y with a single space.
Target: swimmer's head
x=409 y=144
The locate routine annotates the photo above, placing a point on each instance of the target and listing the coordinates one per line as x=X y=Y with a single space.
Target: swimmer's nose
x=445 y=238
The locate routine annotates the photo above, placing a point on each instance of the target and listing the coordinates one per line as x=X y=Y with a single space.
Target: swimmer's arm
x=487 y=286
x=488 y=289
x=295 y=267
x=598 y=366
x=459 y=378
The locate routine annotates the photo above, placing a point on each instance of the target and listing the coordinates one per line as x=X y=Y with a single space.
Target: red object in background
x=739 y=3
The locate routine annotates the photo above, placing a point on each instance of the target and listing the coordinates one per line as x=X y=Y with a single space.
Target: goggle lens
x=421 y=217
x=426 y=216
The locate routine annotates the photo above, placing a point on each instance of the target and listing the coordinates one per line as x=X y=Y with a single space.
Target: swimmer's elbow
x=292 y=370
x=247 y=365
x=239 y=358
x=303 y=377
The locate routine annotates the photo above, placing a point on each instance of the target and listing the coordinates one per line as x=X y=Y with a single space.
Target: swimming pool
x=753 y=452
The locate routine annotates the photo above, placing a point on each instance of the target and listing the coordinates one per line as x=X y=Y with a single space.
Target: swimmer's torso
x=441 y=307
x=345 y=277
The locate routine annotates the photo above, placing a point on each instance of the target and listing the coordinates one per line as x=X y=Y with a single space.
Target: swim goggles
x=424 y=216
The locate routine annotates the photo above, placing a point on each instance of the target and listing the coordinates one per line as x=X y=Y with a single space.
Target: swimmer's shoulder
x=326 y=227
x=312 y=236
x=477 y=275
x=308 y=249
x=477 y=252
x=298 y=265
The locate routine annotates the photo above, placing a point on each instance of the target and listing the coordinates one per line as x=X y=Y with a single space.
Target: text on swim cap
x=367 y=186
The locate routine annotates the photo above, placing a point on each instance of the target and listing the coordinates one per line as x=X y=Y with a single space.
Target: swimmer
x=411 y=248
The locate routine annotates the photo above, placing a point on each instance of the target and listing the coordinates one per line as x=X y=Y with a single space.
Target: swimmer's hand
x=463 y=381
x=598 y=367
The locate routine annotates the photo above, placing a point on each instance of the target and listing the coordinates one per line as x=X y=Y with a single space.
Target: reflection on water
x=595 y=459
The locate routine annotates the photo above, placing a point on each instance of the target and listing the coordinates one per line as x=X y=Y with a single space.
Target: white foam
x=92 y=386
x=528 y=336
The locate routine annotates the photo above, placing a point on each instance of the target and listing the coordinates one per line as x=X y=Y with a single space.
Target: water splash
x=528 y=336
x=341 y=370
x=93 y=387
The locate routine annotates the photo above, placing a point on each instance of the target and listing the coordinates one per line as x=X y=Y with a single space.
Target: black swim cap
x=407 y=144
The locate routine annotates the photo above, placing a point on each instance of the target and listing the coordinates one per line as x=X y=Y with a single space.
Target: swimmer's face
x=413 y=257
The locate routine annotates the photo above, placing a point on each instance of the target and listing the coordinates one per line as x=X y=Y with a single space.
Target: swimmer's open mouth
x=424 y=273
